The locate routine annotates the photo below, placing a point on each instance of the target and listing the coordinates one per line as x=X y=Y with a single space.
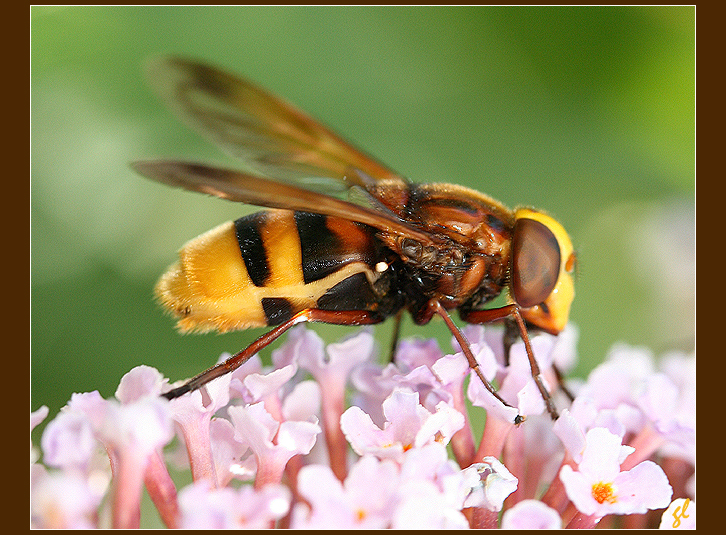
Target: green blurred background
x=586 y=112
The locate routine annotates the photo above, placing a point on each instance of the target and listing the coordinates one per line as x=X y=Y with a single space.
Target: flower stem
x=199 y=448
x=646 y=442
x=126 y=512
x=462 y=442
x=555 y=496
x=483 y=518
x=495 y=433
x=333 y=405
x=162 y=491
x=583 y=521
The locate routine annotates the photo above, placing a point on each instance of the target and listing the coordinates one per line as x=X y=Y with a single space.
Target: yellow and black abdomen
x=264 y=268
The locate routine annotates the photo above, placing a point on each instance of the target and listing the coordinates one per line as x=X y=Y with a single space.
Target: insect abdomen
x=262 y=269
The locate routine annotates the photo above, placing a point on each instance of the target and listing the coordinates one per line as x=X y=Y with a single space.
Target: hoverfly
x=344 y=239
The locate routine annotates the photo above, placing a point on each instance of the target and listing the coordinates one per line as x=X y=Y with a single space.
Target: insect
x=344 y=239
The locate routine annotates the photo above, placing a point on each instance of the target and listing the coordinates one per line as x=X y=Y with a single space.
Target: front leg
x=434 y=307
x=511 y=314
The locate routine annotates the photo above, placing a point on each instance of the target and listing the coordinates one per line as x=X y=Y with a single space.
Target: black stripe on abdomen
x=320 y=248
x=252 y=248
x=353 y=293
x=277 y=310
x=329 y=243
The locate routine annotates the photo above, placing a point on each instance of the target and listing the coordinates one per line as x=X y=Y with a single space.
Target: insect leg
x=435 y=307
x=396 y=333
x=512 y=311
x=511 y=334
x=561 y=383
x=344 y=317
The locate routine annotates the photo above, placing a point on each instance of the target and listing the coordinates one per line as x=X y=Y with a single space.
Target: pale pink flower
x=36 y=417
x=139 y=382
x=63 y=501
x=68 y=441
x=273 y=443
x=204 y=507
x=531 y=514
x=193 y=413
x=495 y=484
x=366 y=500
x=408 y=425
x=394 y=470
x=599 y=487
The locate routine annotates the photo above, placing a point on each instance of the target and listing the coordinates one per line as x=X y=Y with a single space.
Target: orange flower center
x=603 y=492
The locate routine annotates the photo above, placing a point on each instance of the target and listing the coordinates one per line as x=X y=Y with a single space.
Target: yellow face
x=543 y=261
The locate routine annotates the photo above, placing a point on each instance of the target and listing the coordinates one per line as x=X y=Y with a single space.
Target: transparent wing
x=271 y=135
x=251 y=189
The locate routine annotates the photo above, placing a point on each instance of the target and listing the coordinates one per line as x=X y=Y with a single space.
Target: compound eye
x=535 y=262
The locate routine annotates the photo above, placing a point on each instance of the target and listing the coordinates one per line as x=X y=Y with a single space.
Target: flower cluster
x=327 y=438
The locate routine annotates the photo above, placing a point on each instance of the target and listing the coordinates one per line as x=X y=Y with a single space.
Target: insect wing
x=268 y=133
x=237 y=186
